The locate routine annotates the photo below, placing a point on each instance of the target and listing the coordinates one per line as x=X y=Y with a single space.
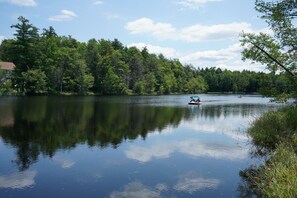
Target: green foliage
x=25 y=46
x=150 y=83
x=277 y=52
x=113 y=84
x=196 y=85
x=104 y=67
x=6 y=87
x=274 y=127
x=268 y=130
x=34 y=81
x=219 y=80
x=139 y=87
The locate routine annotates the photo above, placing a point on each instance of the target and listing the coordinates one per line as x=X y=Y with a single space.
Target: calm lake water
x=125 y=147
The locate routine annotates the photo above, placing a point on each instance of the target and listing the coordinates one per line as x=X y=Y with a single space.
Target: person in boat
x=193 y=100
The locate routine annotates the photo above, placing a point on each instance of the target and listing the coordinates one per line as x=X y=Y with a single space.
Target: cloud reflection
x=186 y=185
x=191 y=185
x=224 y=126
x=195 y=148
x=18 y=180
x=66 y=164
x=136 y=190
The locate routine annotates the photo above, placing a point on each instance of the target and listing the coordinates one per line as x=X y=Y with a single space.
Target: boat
x=195 y=100
x=194 y=103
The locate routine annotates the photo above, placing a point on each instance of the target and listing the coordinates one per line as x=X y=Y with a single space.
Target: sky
x=203 y=33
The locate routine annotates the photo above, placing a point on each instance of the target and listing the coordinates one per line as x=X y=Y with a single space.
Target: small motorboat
x=195 y=100
x=194 y=103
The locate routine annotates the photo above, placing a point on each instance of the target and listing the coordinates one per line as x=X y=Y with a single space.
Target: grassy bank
x=276 y=132
x=278 y=178
x=275 y=127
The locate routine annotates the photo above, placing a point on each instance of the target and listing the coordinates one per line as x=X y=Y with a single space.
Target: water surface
x=150 y=146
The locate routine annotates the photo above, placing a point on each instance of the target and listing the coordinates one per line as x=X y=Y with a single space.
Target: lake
x=117 y=147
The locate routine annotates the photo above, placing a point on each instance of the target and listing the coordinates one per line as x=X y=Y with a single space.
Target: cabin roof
x=7 y=65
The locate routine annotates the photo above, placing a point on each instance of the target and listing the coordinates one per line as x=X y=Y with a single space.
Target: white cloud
x=98 y=2
x=146 y=25
x=135 y=190
x=194 y=33
x=66 y=15
x=194 y=148
x=228 y=58
x=222 y=55
x=194 y=4
x=26 y=3
x=166 y=51
x=18 y=180
x=197 y=33
x=191 y=185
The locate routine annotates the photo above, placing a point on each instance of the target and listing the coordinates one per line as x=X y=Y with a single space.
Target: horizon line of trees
x=50 y=64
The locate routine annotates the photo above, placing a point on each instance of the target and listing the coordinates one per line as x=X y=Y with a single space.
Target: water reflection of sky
x=18 y=180
x=64 y=163
x=190 y=147
x=221 y=138
x=185 y=185
x=200 y=155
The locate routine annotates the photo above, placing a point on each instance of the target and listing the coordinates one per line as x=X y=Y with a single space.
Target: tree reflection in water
x=42 y=125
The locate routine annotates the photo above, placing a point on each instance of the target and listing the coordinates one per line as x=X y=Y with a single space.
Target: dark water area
x=140 y=146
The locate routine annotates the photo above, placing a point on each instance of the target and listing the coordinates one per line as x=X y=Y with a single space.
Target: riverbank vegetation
x=275 y=133
x=273 y=128
x=275 y=136
x=278 y=178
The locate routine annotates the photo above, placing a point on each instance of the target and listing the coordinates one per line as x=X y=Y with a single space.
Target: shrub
x=274 y=127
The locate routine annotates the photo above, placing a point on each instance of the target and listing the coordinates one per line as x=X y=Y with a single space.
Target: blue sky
x=203 y=33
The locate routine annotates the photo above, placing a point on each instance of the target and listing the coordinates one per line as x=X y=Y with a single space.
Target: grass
x=278 y=177
x=276 y=131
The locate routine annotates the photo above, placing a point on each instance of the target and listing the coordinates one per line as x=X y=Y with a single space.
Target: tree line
x=245 y=81
x=47 y=63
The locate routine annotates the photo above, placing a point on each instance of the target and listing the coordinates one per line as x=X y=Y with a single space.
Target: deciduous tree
x=278 y=51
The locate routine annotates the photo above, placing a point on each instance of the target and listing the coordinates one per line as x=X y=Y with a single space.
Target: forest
x=47 y=63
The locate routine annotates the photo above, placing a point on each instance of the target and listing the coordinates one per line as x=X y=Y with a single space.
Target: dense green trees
x=49 y=64
x=244 y=82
